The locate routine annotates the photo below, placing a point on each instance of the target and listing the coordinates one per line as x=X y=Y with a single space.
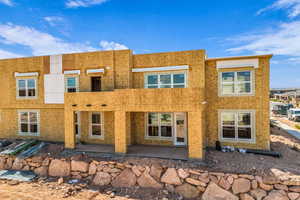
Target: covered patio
x=150 y=151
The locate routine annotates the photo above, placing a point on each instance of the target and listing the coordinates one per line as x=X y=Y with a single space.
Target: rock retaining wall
x=190 y=183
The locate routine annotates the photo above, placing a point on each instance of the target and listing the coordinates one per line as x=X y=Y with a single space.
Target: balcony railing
x=163 y=99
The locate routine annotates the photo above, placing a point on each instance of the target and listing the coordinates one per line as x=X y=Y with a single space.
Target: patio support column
x=121 y=129
x=195 y=135
x=69 y=129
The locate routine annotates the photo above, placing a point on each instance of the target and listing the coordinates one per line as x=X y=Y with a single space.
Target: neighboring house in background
x=290 y=97
x=120 y=98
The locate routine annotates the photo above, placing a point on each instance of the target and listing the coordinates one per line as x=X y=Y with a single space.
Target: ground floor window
x=159 y=125
x=29 y=123
x=237 y=125
x=77 y=123
x=96 y=124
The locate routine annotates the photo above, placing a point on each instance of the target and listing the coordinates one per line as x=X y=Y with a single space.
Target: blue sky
x=222 y=27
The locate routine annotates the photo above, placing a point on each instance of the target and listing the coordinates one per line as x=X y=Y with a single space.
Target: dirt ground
x=50 y=189
x=287 y=145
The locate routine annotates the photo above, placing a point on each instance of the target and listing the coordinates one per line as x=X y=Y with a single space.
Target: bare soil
x=235 y=162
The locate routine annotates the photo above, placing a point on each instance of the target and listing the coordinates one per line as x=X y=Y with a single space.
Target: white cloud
x=292 y=6
x=6 y=54
x=7 y=2
x=83 y=3
x=39 y=42
x=109 y=45
x=284 y=40
x=53 y=20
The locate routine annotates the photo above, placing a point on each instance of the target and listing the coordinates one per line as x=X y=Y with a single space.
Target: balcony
x=137 y=100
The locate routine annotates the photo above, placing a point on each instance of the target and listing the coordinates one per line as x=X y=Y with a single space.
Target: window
x=96 y=125
x=77 y=123
x=26 y=88
x=159 y=125
x=71 y=84
x=237 y=125
x=29 y=123
x=166 y=80
x=236 y=83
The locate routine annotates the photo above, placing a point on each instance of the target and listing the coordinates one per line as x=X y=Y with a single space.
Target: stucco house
x=123 y=99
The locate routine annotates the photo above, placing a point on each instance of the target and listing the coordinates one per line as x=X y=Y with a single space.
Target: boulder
x=224 y=184
x=41 y=171
x=59 y=168
x=102 y=178
x=187 y=191
x=204 y=179
x=254 y=184
x=92 y=169
x=171 y=177
x=79 y=166
x=230 y=180
x=2 y=163
x=155 y=171
x=136 y=170
x=258 y=193
x=146 y=181
x=294 y=189
x=18 y=164
x=276 y=195
x=9 y=163
x=246 y=196
x=281 y=187
x=270 y=180
x=293 y=195
x=195 y=182
x=247 y=176
x=125 y=179
x=214 y=192
x=182 y=173
x=265 y=186
x=241 y=185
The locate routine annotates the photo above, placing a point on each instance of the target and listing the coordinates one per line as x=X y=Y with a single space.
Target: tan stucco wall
x=259 y=102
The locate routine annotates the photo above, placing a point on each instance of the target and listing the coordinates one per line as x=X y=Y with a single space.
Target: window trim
x=101 y=124
x=146 y=85
x=236 y=82
x=159 y=137
x=26 y=87
x=76 y=82
x=38 y=123
x=236 y=139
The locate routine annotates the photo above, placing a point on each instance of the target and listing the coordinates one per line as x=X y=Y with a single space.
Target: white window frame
x=236 y=82
x=26 y=88
x=101 y=124
x=159 y=137
x=146 y=85
x=236 y=139
x=19 y=123
x=76 y=82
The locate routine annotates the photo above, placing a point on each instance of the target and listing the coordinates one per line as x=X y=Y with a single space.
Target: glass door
x=180 y=129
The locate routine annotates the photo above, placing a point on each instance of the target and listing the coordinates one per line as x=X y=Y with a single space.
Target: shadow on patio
x=150 y=151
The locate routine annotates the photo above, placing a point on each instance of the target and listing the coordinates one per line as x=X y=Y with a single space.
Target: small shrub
x=297 y=126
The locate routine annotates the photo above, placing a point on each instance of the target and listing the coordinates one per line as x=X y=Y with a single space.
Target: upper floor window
x=236 y=83
x=29 y=123
x=26 y=88
x=71 y=84
x=166 y=80
x=237 y=125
